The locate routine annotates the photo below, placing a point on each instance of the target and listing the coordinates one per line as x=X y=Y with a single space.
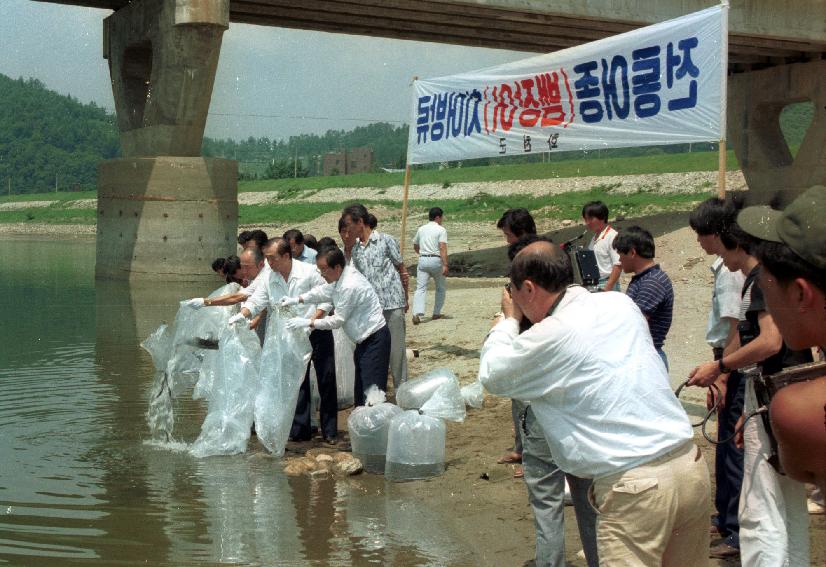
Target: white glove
x=195 y=302
x=297 y=323
x=237 y=318
x=287 y=301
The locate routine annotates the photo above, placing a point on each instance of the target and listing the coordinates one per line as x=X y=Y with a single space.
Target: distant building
x=356 y=160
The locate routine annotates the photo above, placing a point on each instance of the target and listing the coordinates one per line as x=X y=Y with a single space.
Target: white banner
x=661 y=84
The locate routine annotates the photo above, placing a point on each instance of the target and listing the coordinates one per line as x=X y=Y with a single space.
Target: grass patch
x=59 y=196
x=50 y=215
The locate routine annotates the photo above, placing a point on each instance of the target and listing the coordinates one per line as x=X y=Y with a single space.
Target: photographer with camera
x=602 y=396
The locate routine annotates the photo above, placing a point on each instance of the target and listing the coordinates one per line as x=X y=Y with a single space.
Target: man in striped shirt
x=650 y=288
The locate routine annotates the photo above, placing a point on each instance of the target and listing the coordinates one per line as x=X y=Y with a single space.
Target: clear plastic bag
x=368 y=426
x=446 y=402
x=345 y=368
x=226 y=428
x=474 y=394
x=414 y=393
x=415 y=447
x=283 y=364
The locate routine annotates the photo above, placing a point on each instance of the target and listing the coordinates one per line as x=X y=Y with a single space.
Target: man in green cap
x=793 y=279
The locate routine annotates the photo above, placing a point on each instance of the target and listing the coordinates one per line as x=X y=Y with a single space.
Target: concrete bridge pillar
x=164 y=212
x=755 y=102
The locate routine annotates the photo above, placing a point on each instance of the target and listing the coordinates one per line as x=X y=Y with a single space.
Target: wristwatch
x=722 y=367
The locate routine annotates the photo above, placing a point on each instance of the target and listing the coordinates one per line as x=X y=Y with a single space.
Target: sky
x=272 y=82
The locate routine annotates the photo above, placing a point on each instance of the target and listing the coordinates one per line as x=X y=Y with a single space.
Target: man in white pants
x=430 y=243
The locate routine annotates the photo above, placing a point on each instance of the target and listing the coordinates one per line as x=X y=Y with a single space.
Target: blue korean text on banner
x=661 y=84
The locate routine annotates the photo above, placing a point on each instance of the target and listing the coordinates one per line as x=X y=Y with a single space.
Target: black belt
x=429 y=255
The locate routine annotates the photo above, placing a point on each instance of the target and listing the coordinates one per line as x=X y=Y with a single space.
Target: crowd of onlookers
x=592 y=404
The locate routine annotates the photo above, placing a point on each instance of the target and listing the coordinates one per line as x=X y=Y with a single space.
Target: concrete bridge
x=165 y=212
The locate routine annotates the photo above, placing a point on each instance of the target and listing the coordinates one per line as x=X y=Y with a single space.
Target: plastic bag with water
x=414 y=393
x=196 y=330
x=415 y=447
x=446 y=402
x=345 y=368
x=474 y=394
x=226 y=428
x=160 y=416
x=368 y=426
x=283 y=364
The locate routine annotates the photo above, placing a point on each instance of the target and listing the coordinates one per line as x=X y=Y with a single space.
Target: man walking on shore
x=430 y=243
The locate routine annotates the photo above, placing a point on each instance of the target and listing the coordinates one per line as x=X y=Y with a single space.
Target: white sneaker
x=815 y=508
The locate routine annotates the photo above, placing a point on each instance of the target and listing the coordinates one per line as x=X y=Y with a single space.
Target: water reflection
x=80 y=484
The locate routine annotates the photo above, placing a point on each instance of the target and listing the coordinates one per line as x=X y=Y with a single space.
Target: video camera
x=586 y=271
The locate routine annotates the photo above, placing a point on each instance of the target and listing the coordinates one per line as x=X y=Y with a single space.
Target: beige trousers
x=655 y=514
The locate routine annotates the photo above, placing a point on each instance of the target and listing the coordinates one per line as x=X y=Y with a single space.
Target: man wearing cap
x=793 y=254
x=772 y=509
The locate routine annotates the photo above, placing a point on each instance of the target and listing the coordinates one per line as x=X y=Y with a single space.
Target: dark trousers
x=728 y=462
x=323 y=359
x=372 y=359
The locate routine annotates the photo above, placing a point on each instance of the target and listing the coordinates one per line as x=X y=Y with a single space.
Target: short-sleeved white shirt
x=428 y=238
x=603 y=246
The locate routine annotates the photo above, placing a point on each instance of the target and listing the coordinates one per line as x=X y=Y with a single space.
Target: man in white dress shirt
x=290 y=277
x=430 y=243
x=358 y=310
x=602 y=396
x=595 y=215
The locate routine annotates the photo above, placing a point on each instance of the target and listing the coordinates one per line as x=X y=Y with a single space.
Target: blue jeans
x=728 y=463
x=546 y=490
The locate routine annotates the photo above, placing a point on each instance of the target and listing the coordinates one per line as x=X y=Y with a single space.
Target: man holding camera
x=601 y=394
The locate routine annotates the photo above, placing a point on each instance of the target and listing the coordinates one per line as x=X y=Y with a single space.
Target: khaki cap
x=801 y=225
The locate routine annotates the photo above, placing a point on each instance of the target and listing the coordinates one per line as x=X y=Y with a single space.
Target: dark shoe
x=416 y=319
x=436 y=317
x=298 y=439
x=723 y=551
x=331 y=440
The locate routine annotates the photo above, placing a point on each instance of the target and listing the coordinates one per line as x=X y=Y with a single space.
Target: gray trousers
x=398 y=345
x=546 y=492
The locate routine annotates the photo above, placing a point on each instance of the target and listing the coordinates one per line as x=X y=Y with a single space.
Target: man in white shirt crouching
x=358 y=310
x=601 y=394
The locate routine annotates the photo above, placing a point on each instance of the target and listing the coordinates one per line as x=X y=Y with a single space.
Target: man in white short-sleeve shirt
x=595 y=215
x=430 y=243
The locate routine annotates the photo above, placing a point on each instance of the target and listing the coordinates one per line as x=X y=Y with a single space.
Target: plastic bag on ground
x=368 y=426
x=345 y=368
x=415 y=447
x=414 y=393
x=446 y=402
x=474 y=394
x=283 y=364
x=226 y=428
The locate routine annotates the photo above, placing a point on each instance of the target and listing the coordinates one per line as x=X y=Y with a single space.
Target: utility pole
x=295 y=164
x=55 y=183
x=9 y=185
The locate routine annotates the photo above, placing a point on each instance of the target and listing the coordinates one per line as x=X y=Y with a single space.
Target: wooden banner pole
x=404 y=207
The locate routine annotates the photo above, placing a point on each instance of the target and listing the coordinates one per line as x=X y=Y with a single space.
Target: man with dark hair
x=430 y=243
x=772 y=513
x=300 y=252
x=288 y=278
x=358 y=310
x=792 y=252
x=377 y=256
x=709 y=220
x=516 y=223
x=601 y=395
x=650 y=288
x=249 y=238
x=595 y=215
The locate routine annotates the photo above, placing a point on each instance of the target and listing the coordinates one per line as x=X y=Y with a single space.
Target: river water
x=81 y=484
